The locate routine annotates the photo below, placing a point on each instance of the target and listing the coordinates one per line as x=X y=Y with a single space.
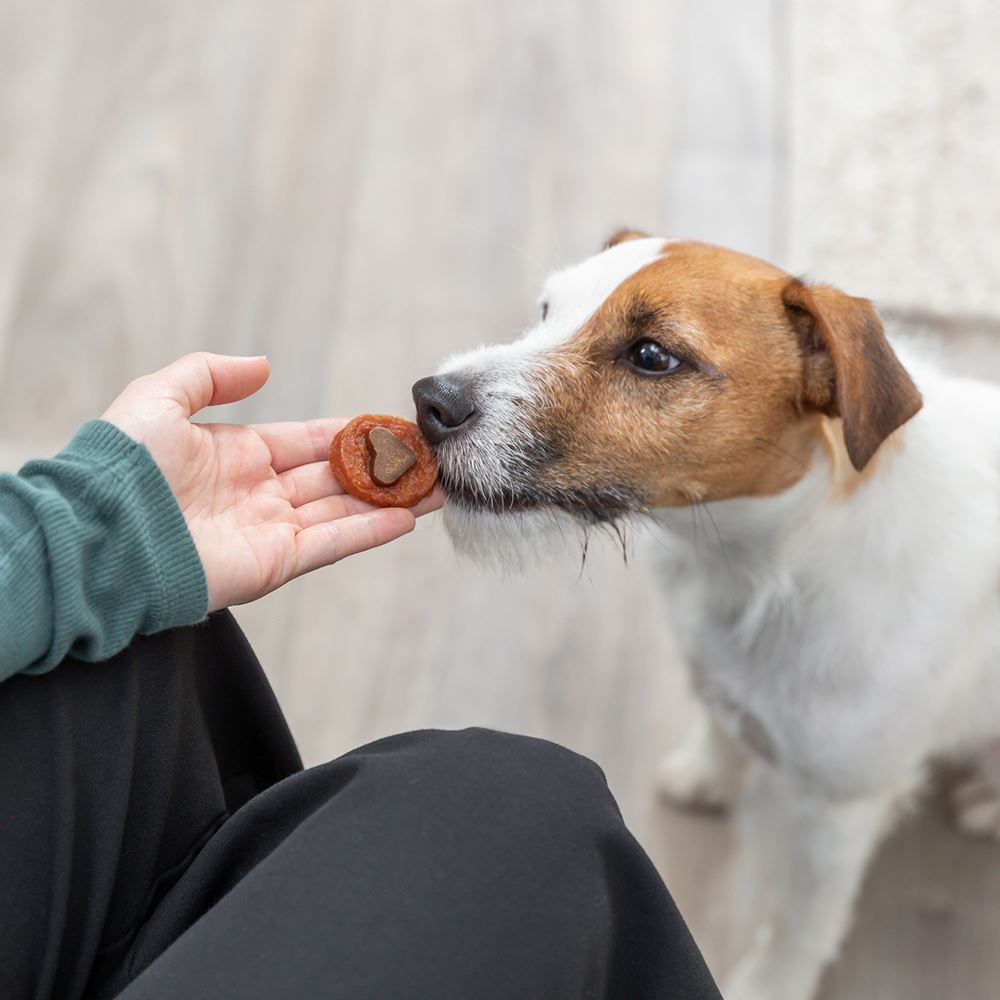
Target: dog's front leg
x=820 y=848
x=704 y=771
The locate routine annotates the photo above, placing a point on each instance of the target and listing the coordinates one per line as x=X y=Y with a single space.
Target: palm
x=261 y=501
x=239 y=508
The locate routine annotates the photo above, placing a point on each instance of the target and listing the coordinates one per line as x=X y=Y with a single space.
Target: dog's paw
x=693 y=780
x=975 y=803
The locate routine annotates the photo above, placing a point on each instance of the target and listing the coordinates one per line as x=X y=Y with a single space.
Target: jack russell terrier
x=832 y=506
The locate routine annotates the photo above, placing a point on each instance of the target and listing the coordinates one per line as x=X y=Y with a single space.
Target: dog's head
x=659 y=373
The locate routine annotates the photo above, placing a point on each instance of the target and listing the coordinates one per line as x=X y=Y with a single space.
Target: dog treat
x=391 y=457
x=383 y=460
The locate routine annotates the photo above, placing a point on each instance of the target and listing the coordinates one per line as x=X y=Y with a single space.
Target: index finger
x=298 y=442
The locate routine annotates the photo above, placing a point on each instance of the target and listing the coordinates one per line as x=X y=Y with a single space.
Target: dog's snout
x=444 y=406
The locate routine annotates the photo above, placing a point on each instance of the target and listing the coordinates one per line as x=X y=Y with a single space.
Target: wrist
x=175 y=565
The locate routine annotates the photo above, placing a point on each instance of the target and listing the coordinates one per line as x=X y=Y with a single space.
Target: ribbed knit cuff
x=181 y=587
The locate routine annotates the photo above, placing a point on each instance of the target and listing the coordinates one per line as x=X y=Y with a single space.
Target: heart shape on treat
x=390 y=456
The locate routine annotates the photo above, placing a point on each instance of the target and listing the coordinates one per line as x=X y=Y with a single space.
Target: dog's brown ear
x=623 y=235
x=850 y=369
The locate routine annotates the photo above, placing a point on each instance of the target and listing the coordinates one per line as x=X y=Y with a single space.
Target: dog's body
x=847 y=634
x=833 y=566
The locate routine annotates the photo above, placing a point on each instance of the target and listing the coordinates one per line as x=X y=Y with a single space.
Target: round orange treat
x=359 y=460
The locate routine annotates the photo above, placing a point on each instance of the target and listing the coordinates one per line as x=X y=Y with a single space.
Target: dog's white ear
x=849 y=368
x=623 y=235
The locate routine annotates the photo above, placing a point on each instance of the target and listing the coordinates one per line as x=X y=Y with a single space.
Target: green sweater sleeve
x=93 y=549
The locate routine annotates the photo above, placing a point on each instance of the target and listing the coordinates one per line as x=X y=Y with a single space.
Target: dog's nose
x=444 y=406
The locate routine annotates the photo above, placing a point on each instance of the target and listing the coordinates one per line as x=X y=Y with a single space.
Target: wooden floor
x=358 y=188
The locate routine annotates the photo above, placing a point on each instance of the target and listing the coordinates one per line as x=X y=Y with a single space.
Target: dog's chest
x=774 y=677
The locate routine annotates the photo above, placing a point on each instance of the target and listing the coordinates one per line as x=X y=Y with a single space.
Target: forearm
x=93 y=549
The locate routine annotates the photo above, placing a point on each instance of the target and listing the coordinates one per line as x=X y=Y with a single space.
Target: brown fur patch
x=870 y=390
x=731 y=424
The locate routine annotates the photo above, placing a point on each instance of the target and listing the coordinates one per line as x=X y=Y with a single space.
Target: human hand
x=260 y=501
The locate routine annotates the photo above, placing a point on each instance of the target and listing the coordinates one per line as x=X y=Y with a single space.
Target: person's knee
x=493 y=754
x=511 y=780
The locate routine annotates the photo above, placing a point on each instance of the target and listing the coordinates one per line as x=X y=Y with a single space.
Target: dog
x=831 y=507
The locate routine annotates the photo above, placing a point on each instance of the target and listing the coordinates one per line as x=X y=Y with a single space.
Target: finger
x=309 y=482
x=431 y=502
x=202 y=379
x=295 y=443
x=330 y=509
x=326 y=543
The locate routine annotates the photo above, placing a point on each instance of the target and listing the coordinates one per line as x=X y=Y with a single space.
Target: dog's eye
x=649 y=356
x=545 y=309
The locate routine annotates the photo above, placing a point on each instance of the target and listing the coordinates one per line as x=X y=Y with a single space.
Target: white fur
x=514 y=541
x=842 y=640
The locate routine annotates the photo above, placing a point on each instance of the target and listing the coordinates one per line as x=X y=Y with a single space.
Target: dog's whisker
x=616 y=527
x=778 y=450
x=584 y=551
x=718 y=535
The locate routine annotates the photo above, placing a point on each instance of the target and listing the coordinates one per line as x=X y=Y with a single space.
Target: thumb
x=201 y=379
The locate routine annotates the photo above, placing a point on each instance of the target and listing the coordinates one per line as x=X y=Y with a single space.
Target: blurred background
x=358 y=187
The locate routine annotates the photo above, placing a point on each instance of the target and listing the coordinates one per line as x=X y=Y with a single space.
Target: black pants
x=159 y=839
